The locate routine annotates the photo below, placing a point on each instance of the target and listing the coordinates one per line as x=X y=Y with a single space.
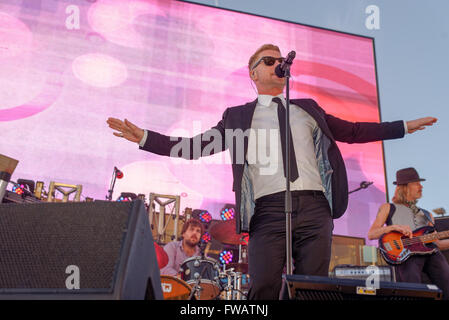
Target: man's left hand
x=420 y=124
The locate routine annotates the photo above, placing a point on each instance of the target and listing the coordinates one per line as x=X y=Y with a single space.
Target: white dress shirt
x=265 y=152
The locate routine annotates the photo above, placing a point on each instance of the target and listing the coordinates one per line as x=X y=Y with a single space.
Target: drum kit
x=201 y=276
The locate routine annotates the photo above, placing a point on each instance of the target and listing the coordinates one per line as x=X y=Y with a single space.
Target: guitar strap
x=390 y=214
x=428 y=216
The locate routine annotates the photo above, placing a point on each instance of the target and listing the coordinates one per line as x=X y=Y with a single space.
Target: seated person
x=179 y=251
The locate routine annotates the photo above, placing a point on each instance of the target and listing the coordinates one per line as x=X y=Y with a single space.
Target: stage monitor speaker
x=442 y=224
x=301 y=287
x=79 y=250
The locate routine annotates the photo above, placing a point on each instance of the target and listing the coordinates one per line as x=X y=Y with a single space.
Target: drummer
x=179 y=251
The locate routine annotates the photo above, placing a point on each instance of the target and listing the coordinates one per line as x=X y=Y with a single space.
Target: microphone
x=365 y=184
x=280 y=69
x=118 y=173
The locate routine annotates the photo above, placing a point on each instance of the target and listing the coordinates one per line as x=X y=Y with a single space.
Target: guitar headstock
x=440 y=211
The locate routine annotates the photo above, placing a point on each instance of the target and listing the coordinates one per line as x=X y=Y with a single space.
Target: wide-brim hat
x=407 y=175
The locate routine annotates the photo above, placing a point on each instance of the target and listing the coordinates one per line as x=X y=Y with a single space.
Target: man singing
x=318 y=175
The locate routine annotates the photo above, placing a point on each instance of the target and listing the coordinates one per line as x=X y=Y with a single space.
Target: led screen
x=172 y=67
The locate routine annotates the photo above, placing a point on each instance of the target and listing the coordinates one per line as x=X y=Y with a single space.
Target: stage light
x=126 y=196
x=226 y=257
x=203 y=215
x=28 y=185
x=23 y=187
x=206 y=237
x=18 y=188
x=227 y=214
x=206 y=217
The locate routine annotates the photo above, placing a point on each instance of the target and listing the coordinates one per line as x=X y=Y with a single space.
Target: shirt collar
x=265 y=99
x=197 y=249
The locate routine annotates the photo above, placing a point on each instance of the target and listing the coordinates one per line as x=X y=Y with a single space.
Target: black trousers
x=312 y=227
x=435 y=266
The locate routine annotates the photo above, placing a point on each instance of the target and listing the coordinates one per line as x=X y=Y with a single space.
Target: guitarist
x=404 y=216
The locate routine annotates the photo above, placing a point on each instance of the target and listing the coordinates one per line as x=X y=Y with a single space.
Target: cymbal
x=224 y=231
x=161 y=255
x=238 y=267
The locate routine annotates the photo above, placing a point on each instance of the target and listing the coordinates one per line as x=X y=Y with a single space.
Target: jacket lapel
x=313 y=112
x=247 y=117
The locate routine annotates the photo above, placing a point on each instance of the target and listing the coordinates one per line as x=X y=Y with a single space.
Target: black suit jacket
x=240 y=117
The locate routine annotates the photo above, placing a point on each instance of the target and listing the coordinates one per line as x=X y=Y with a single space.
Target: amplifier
x=385 y=273
x=12 y=197
x=300 y=287
x=442 y=224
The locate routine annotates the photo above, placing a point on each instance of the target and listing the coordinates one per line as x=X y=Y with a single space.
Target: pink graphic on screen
x=171 y=67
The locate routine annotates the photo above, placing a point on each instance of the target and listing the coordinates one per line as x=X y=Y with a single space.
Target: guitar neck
x=434 y=236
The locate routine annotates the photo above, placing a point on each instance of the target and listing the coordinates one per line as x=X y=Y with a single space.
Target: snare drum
x=174 y=288
x=203 y=271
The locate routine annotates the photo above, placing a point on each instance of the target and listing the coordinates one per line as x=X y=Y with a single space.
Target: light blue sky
x=412 y=52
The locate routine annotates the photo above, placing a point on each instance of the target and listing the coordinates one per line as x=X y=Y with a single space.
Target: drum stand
x=233 y=287
x=237 y=286
x=228 y=287
x=196 y=290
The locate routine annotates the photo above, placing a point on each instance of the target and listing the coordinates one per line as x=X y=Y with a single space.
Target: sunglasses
x=269 y=61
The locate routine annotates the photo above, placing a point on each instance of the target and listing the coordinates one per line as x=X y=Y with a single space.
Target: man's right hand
x=126 y=129
x=404 y=229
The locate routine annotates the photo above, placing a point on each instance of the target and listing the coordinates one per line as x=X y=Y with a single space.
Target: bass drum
x=174 y=288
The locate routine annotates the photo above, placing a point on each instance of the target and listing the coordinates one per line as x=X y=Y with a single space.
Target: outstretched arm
x=360 y=132
x=420 y=124
x=125 y=129
x=205 y=144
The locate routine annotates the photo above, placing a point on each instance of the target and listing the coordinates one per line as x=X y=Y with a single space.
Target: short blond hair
x=253 y=58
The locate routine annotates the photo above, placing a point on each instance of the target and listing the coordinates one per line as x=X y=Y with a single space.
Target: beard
x=191 y=242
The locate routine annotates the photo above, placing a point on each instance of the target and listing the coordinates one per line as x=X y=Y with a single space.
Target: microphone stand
x=288 y=195
x=111 y=187
x=196 y=288
x=363 y=185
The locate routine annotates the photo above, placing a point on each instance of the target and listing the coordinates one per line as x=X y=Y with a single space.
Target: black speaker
x=299 y=287
x=84 y=250
x=442 y=224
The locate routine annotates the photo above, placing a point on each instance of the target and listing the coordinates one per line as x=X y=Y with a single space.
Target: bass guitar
x=397 y=248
